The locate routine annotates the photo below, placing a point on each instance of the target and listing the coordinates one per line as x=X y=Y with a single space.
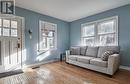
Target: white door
x=10 y=43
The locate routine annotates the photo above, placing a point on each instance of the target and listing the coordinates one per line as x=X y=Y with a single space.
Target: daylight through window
x=100 y=33
x=47 y=35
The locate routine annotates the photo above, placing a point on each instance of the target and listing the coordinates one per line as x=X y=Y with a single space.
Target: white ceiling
x=70 y=10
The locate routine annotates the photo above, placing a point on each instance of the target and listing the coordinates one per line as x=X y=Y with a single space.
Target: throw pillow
x=106 y=55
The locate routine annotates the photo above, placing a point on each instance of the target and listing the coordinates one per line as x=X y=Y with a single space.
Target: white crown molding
x=125 y=67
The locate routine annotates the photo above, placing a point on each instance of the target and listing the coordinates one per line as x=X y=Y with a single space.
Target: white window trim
x=96 y=29
x=55 y=44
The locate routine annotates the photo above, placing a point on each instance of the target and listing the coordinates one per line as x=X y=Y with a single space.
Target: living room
x=64 y=42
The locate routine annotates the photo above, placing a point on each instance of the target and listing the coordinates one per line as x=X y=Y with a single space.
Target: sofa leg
x=111 y=76
x=66 y=62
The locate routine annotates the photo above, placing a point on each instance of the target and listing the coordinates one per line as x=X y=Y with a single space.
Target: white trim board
x=125 y=67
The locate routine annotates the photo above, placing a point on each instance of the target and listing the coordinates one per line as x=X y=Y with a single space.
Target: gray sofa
x=90 y=58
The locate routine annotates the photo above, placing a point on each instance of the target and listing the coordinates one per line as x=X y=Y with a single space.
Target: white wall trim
x=125 y=67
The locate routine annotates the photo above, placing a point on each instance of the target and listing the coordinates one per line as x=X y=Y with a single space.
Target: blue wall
x=32 y=22
x=124 y=30
x=69 y=33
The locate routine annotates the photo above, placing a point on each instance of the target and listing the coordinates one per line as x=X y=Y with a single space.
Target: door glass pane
x=14 y=32
x=0 y=22
x=88 y=41
x=106 y=27
x=6 y=31
x=6 y=23
x=88 y=30
x=13 y=24
x=107 y=39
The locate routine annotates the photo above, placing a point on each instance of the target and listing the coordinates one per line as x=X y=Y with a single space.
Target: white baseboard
x=125 y=67
x=37 y=64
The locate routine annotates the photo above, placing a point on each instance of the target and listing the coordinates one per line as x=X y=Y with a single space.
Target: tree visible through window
x=100 y=33
x=47 y=35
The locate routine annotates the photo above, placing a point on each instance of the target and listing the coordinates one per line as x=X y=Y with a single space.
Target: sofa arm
x=113 y=63
x=67 y=52
x=67 y=55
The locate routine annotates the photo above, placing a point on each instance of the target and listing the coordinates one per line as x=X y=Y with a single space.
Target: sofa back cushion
x=83 y=50
x=92 y=51
x=75 y=50
x=103 y=49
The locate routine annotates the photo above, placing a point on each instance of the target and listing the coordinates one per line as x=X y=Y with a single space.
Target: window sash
x=109 y=35
x=97 y=35
x=88 y=38
x=84 y=30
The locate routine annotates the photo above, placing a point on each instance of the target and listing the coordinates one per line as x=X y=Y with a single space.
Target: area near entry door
x=10 y=43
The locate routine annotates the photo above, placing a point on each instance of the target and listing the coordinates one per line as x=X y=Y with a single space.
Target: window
x=88 y=34
x=100 y=33
x=8 y=27
x=47 y=35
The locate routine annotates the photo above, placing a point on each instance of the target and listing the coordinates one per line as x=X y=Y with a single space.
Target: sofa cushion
x=83 y=50
x=92 y=51
x=84 y=59
x=75 y=50
x=98 y=62
x=73 y=57
x=102 y=49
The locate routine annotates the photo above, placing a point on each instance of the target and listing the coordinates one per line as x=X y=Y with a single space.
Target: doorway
x=11 y=43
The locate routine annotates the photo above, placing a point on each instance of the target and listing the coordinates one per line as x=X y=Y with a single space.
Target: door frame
x=22 y=34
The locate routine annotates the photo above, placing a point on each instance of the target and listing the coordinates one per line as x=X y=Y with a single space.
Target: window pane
x=13 y=24
x=51 y=42
x=88 y=30
x=14 y=32
x=0 y=22
x=43 y=43
x=6 y=31
x=88 y=41
x=107 y=39
x=106 y=27
x=6 y=23
x=51 y=34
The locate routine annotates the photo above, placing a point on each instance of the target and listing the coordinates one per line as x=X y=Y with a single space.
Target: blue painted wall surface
x=32 y=22
x=124 y=30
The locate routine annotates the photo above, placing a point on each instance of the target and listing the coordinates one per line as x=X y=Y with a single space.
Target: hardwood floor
x=62 y=73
